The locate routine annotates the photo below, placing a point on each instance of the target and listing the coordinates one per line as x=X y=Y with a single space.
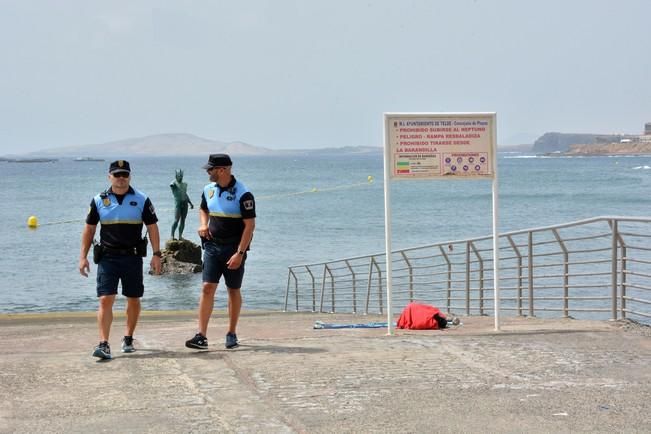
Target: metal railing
x=598 y=268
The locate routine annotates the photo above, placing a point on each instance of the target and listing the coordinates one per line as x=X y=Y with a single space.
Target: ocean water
x=310 y=209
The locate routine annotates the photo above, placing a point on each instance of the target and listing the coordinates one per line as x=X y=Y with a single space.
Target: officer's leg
x=206 y=303
x=233 y=280
x=107 y=288
x=234 y=308
x=105 y=316
x=133 y=313
x=132 y=289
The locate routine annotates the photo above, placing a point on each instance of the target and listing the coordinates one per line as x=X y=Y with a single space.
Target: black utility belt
x=221 y=241
x=131 y=251
x=100 y=250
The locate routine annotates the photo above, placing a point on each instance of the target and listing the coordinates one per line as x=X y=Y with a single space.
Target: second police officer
x=226 y=225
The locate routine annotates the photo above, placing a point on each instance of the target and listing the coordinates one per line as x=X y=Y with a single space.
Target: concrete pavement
x=533 y=376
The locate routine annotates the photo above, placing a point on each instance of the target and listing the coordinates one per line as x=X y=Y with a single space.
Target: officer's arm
x=86 y=240
x=236 y=260
x=154 y=239
x=247 y=234
x=204 y=219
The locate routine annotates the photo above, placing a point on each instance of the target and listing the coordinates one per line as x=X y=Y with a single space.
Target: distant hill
x=156 y=145
x=163 y=145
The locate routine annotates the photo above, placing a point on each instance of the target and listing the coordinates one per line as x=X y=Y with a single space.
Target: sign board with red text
x=441 y=145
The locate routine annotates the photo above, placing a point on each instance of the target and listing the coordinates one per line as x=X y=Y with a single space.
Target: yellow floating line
x=271 y=196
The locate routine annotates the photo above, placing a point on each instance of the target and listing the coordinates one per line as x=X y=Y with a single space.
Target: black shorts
x=215 y=257
x=113 y=268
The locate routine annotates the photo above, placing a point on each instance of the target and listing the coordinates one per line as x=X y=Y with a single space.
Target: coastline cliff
x=611 y=149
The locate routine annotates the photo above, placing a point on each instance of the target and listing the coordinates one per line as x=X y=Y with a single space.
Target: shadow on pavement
x=146 y=353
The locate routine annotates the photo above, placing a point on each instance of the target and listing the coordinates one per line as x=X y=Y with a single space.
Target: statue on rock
x=181 y=201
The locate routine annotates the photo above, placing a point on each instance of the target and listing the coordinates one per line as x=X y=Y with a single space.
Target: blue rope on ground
x=368 y=325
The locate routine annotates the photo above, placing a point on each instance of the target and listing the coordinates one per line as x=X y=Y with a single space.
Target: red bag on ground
x=417 y=316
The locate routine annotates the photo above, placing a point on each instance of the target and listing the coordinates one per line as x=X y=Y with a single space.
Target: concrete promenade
x=556 y=376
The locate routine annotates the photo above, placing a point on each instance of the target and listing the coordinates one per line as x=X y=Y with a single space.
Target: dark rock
x=180 y=257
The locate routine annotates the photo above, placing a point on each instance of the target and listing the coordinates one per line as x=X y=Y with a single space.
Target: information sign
x=433 y=145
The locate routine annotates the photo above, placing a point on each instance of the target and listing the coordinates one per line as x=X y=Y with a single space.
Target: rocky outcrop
x=181 y=257
x=611 y=149
x=561 y=142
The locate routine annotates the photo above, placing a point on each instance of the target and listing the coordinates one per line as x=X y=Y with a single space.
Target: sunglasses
x=214 y=168
x=121 y=175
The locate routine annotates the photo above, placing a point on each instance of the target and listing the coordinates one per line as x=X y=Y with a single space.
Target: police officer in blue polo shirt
x=226 y=224
x=121 y=210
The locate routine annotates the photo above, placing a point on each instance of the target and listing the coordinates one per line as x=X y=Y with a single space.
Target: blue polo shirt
x=121 y=217
x=228 y=207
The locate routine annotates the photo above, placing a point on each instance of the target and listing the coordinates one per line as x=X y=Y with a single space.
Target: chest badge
x=211 y=194
x=106 y=201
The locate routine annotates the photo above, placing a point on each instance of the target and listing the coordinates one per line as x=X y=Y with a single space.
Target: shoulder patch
x=248 y=204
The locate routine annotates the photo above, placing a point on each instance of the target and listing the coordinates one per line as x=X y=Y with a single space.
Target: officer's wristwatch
x=157 y=253
x=241 y=252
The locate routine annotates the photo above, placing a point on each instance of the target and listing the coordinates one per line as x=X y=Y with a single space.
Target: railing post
x=354 y=286
x=296 y=291
x=468 y=278
x=623 y=293
x=566 y=274
x=517 y=252
x=449 y=283
x=313 y=288
x=332 y=287
x=481 y=278
x=530 y=272
x=411 y=276
x=614 y=270
x=325 y=268
x=289 y=275
x=379 y=285
x=368 y=287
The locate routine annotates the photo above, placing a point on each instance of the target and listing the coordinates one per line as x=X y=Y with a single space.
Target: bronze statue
x=181 y=201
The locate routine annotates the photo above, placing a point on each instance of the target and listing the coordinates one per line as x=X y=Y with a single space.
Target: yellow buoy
x=370 y=178
x=32 y=222
x=314 y=190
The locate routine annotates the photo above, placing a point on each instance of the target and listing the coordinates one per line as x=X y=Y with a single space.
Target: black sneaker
x=231 y=340
x=198 y=342
x=103 y=351
x=127 y=344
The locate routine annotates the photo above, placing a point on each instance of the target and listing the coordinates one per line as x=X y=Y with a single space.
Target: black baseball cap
x=120 y=166
x=218 y=160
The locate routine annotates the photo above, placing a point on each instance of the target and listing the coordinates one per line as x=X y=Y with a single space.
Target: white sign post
x=459 y=146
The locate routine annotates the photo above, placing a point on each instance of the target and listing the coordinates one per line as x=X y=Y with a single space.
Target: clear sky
x=304 y=74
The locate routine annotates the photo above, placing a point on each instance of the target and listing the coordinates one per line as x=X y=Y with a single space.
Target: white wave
x=642 y=167
x=526 y=156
